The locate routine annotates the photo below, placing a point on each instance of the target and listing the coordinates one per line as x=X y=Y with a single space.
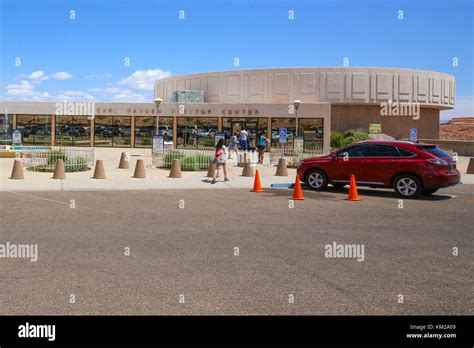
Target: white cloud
x=98 y=77
x=112 y=90
x=464 y=107
x=25 y=91
x=75 y=96
x=144 y=79
x=137 y=87
x=127 y=95
x=38 y=76
x=123 y=95
x=61 y=75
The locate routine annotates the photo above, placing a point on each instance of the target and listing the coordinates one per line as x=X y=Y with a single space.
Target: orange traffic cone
x=298 y=192
x=353 y=194
x=257 y=186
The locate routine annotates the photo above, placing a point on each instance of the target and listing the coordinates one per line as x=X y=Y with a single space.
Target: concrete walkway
x=121 y=179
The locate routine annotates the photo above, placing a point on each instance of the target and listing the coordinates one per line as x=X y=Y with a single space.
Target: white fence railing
x=75 y=159
x=190 y=159
x=293 y=157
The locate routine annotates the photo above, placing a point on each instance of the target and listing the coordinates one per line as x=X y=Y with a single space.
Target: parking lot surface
x=232 y=251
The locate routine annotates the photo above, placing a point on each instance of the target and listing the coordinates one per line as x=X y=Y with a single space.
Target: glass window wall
x=311 y=129
x=73 y=130
x=112 y=131
x=36 y=129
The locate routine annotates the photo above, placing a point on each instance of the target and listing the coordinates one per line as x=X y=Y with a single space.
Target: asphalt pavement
x=232 y=251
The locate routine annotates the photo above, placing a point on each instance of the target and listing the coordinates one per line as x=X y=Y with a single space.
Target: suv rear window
x=434 y=151
x=383 y=151
x=405 y=153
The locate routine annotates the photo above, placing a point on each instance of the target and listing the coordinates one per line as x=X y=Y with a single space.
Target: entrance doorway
x=250 y=127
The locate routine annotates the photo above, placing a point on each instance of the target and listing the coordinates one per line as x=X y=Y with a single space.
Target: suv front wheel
x=407 y=186
x=316 y=179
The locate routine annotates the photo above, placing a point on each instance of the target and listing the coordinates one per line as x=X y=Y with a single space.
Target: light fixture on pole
x=297 y=104
x=157 y=103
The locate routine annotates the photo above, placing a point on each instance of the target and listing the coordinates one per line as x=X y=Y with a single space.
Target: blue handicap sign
x=413 y=134
x=282 y=135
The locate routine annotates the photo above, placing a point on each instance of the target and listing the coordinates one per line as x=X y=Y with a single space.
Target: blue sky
x=83 y=58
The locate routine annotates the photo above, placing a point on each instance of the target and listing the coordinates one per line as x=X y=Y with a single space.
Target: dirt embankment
x=458 y=128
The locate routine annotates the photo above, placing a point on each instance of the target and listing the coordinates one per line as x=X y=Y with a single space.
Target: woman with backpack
x=261 y=146
x=219 y=160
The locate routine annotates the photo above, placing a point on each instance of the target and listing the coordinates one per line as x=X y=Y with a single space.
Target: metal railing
x=194 y=147
x=190 y=159
x=247 y=157
x=76 y=159
x=292 y=156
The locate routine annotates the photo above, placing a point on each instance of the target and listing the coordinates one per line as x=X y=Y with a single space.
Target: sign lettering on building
x=189 y=111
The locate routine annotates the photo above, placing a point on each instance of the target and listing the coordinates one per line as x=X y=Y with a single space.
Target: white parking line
x=58 y=202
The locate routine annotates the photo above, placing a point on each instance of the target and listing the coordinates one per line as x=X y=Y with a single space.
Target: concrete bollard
x=211 y=170
x=248 y=170
x=470 y=166
x=99 y=172
x=281 y=169
x=17 y=170
x=124 y=163
x=139 y=172
x=59 y=172
x=175 y=171
x=242 y=159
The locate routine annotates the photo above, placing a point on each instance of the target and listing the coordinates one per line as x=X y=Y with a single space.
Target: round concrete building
x=395 y=99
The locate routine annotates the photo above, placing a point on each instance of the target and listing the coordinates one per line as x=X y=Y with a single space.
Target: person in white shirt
x=244 y=140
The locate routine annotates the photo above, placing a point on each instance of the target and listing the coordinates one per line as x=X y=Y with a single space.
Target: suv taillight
x=438 y=161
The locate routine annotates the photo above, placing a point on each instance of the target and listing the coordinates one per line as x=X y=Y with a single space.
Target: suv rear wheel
x=316 y=179
x=407 y=186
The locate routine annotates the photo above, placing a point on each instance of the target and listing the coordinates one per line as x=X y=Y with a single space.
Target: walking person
x=244 y=140
x=219 y=160
x=233 y=145
x=261 y=146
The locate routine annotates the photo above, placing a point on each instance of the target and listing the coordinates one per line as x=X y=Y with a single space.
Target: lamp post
x=157 y=103
x=297 y=104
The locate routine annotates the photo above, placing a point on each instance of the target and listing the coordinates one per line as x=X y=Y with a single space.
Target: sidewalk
x=121 y=179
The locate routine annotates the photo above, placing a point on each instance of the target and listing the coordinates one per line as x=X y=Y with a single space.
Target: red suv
x=409 y=168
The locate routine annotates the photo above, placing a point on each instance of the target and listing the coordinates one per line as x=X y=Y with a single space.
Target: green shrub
x=204 y=159
x=55 y=155
x=71 y=165
x=146 y=141
x=170 y=156
x=350 y=136
x=190 y=163
x=208 y=143
x=355 y=135
x=195 y=162
x=337 y=140
x=78 y=164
